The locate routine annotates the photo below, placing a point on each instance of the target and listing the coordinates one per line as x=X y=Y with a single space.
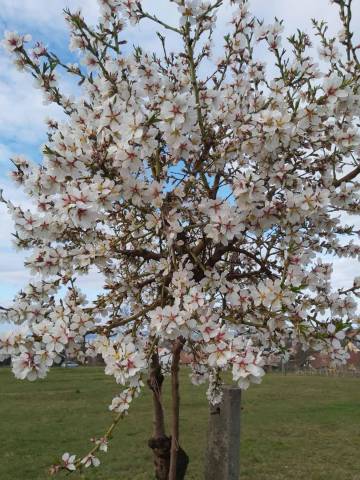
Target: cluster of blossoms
x=206 y=198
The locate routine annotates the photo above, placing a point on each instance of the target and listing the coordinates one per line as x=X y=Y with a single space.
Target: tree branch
x=141 y=252
x=348 y=177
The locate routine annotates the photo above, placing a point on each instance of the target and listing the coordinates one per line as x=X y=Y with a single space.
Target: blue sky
x=22 y=112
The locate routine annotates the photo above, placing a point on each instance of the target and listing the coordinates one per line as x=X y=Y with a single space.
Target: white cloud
x=345 y=269
x=298 y=14
x=44 y=15
x=22 y=111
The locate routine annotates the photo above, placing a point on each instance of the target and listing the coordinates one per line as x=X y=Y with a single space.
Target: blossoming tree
x=207 y=193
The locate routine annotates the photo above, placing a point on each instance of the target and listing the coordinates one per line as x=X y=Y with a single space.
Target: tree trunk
x=160 y=443
x=178 y=458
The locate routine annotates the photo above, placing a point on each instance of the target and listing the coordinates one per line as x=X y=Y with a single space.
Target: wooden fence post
x=222 y=460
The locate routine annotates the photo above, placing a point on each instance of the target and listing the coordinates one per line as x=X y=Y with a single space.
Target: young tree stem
x=175 y=393
x=160 y=442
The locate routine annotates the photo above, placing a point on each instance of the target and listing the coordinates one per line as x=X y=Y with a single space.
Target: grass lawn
x=293 y=427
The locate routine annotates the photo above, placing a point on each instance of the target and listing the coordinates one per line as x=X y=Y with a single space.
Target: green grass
x=293 y=427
